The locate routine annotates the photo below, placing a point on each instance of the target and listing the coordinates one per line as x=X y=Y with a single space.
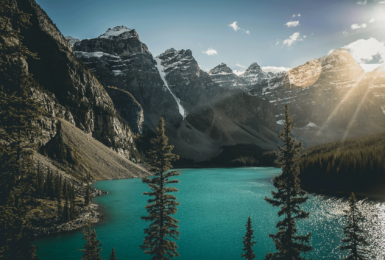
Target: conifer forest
x=122 y=147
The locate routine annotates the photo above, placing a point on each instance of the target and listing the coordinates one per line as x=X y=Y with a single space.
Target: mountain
x=329 y=98
x=254 y=75
x=173 y=86
x=67 y=88
x=71 y=40
x=225 y=77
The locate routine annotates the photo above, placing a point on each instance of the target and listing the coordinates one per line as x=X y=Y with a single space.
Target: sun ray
x=355 y=114
x=347 y=95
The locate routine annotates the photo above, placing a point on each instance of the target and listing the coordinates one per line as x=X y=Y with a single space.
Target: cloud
x=277 y=42
x=372 y=20
x=210 y=52
x=362 y=2
x=292 y=24
x=234 y=26
x=293 y=15
x=363 y=51
x=299 y=15
x=357 y=26
x=345 y=33
x=295 y=37
x=275 y=69
x=240 y=65
x=382 y=2
x=238 y=72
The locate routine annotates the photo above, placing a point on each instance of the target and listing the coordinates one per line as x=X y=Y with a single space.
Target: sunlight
x=337 y=108
x=355 y=114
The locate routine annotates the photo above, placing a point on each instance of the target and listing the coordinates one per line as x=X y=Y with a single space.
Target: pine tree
x=92 y=247
x=355 y=236
x=113 y=255
x=248 y=242
x=18 y=112
x=87 y=198
x=162 y=230
x=289 y=197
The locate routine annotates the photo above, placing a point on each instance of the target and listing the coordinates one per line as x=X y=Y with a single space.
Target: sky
x=273 y=33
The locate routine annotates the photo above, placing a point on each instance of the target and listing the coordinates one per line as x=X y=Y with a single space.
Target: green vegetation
x=355 y=236
x=353 y=165
x=92 y=247
x=113 y=254
x=289 y=197
x=248 y=242
x=163 y=228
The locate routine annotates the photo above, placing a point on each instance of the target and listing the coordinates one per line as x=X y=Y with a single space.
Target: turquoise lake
x=215 y=205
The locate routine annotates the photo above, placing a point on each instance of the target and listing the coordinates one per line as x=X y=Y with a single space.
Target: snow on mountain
x=370 y=67
x=162 y=74
x=275 y=70
x=116 y=31
x=225 y=77
x=71 y=40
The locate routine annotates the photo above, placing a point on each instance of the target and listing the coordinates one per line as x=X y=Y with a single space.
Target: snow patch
x=280 y=122
x=116 y=31
x=163 y=76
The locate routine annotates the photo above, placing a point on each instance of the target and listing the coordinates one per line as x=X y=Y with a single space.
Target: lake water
x=215 y=205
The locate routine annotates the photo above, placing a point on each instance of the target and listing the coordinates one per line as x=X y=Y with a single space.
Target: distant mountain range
x=331 y=98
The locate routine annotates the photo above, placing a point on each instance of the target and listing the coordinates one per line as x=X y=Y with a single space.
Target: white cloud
x=299 y=15
x=293 y=15
x=357 y=26
x=372 y=20
x=364 y=51
x=292 y=24
x=277 y=42
x=382 y=2
x=238 y=72
x=304 y=36
x=275 y=69
x=369 y=67
x=345 y=33
x=331 y=51
x=234 y=26
x=240 y=65
x=210 y=52
x=295 y=37
x=362 y=2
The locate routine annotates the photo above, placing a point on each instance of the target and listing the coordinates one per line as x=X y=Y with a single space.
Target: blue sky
x=269 y=32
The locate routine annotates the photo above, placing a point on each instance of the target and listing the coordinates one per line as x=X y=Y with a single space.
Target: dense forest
x=355 y=164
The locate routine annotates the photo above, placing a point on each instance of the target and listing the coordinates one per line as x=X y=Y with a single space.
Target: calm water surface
x=215 y=205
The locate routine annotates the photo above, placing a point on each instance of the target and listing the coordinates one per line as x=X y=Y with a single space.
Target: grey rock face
x=254 y=75
x=68 y=83
x=71 y=40
x=121 y=60
x=225 y=77
x=327 y=95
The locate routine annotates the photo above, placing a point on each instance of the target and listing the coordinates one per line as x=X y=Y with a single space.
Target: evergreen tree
x=87 y=196
x=113 y=255
x=355 y=236
x=289 y=197
x=92 y=247
x=18 y=112
x=162 y=230
x=248 y=242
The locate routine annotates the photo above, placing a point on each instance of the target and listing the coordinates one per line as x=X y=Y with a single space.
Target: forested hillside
x=355 y=164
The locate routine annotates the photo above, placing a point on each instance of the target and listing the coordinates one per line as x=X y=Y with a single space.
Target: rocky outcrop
x=328 y=97
x=71 y=40
x=253 y=75
x=120 y=60
x=225 y=77
x=69 y=89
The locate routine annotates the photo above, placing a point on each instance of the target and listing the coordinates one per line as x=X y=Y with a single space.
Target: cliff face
x=329 y=97
x=122 y=61
x=70 y=90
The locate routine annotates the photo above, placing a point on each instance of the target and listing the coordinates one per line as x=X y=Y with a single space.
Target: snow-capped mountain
x=200 y=115
x=225 y=77
x=71 y=40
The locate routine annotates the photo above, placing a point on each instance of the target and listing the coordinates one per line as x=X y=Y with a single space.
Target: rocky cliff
x=172 y=85
x=329 y=98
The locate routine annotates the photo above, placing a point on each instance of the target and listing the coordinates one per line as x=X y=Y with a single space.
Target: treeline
x=356 y=164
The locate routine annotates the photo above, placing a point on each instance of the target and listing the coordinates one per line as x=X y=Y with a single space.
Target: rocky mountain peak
x=119 y=31
x=221 y=69
x=71 y=40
